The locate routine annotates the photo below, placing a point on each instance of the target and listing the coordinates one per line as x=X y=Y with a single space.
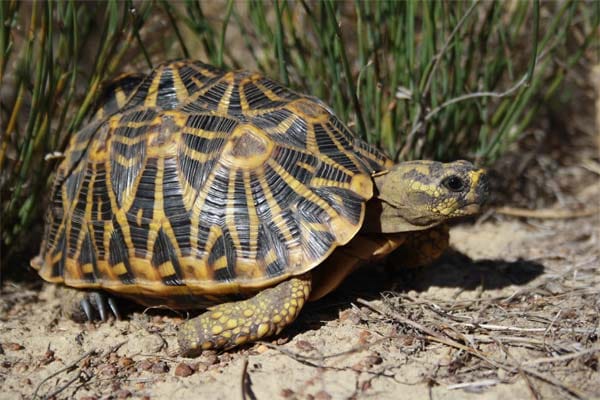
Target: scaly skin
x=422 y=247
x=231 y=324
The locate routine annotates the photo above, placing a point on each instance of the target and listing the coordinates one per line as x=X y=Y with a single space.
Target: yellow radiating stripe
x=268 y=92
x=78 y=146
x=316 y=226
x=188 y=194
x=224 y=102
x=119 y=269
x=139 y=216
x=120 y=215
x=214 y=234
x=129 y=140
x=283 y=125
x=71 y=269
x=152 y=94
x=252 y=216
x=180 y=89
x=201 y=71
x=56 y=257
x=99 y=114
x=198 y=155
x=196 y=210
x=126 y=162
x=274 y=207
x=220 y=263
x=301 y=190
x=120 y=97
x=103 y=266
x=322 y=182
x=230 y=221
x=310 y=168
x=243 y=100
x=204 y=134
x=350 y=154
x=166 y=269
x=85 y=223
x=311 y=140
x=384 y=161
x=87 y=268
x=270 y=257
x=204 y=88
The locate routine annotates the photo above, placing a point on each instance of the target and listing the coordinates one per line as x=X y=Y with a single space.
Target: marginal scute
x=199 y=182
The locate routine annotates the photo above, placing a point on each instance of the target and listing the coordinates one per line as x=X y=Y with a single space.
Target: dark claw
x=113 y=307
x=97 y=304
x=100 y=300
x=87 y=308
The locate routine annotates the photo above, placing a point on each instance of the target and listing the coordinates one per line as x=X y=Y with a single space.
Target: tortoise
x=196 y=187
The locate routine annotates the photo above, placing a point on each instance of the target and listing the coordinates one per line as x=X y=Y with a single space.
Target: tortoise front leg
x=421 y=247
x=231 y=324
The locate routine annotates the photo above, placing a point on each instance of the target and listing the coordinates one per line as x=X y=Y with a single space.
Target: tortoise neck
x=381 y=217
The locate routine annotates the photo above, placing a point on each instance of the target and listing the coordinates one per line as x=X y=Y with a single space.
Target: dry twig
x=547 y=213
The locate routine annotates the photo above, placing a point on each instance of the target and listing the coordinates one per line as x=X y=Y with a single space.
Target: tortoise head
x=416 y=195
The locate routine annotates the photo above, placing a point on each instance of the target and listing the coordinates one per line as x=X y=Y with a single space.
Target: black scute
x=88 y=256
x=164 y=252
x=108 y=99
x=118 y=253
x=223 y=248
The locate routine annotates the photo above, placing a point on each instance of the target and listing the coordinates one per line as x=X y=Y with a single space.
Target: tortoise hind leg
x=231 y=324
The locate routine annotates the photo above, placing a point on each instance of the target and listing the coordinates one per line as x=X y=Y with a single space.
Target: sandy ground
x=512 y=311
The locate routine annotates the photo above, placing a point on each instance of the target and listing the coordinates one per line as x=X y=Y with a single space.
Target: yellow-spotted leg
x=231 y=324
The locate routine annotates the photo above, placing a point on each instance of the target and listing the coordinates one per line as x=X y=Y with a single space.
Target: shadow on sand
x=453 y=270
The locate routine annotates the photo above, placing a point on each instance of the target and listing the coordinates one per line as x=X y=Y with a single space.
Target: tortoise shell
x=197 y=181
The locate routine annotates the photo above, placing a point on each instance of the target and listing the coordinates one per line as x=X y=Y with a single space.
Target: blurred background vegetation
x=420 y=79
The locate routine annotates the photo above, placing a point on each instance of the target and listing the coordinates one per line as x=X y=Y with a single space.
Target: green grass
x=420 y=79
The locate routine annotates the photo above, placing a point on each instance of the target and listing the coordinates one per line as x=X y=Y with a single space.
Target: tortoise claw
x=87 y=309
x=112 y=303
x=94 y=306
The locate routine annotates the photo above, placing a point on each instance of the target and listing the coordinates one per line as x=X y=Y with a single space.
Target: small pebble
x=200 y=367
x=304 y=345
x=125 y=362
x=322 y=395
x=123 y=394
x=183 y=370
x=363 y=337
x=160 y=367
x=260 y=349
x=144 y=365
x=48 y=357
x=209 y=358
x=107 y=370
x=13 y=346
x=373 y=359
x=285 y=393
x=20 y=367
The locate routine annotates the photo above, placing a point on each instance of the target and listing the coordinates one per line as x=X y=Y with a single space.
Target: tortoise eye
x=454 y=183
